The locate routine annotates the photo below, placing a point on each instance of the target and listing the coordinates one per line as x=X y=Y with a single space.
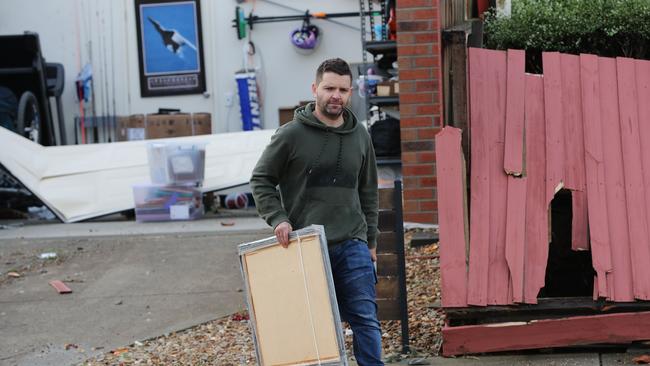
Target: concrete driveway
x=130 y=282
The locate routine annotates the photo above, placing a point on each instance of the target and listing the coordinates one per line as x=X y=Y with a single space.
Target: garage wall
x=74 y=32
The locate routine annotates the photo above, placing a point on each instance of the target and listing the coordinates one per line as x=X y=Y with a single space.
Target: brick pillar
x=418 y=55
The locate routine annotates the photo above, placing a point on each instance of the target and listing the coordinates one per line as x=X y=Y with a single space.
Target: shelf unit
x=379 y=53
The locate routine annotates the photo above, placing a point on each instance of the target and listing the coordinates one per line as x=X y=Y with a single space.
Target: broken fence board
x=635 y=191
x=595 y=169
x=536 y=254
x=553 y=115
x=642 y=68
x=574 y=165
x=573 y=331
x=498 y=274
x=453 y=217
x=572 y=111
x=621 y=276
x=579 y=221
x=516 y=235
x=514 y=134
x=479 y=178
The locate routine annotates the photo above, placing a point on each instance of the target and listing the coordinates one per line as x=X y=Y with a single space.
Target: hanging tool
x=241 y=21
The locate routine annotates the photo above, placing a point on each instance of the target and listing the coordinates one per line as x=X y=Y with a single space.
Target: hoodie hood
x=305 y=115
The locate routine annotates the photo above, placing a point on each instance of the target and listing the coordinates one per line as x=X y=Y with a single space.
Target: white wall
x=103 y=32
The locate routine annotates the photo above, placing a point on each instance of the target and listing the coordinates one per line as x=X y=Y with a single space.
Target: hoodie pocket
x=336 y=209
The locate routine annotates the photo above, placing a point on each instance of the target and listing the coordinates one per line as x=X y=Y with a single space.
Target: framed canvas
x=291 y=300
x=170 y=47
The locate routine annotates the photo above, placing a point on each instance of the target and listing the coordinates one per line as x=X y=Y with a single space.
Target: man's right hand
x=282 y=232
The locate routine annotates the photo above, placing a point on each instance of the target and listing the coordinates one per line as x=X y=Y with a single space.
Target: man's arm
x=368 y=196
x=266 y=176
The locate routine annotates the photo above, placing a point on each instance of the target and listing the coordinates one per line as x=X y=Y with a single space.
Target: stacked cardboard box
x=177 y=172
x=156 y=126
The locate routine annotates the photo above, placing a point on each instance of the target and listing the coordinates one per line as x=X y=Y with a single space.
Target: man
x=324 y=164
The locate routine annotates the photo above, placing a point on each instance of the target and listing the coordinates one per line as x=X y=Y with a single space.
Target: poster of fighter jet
x=170 y=47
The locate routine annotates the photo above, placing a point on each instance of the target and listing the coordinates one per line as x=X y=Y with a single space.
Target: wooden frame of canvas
x=285 y=337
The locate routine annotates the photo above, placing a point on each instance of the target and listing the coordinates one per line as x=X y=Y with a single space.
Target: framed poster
x=170 y=48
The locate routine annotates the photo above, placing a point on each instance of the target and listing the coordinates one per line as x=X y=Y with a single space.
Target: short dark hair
x=335 y=65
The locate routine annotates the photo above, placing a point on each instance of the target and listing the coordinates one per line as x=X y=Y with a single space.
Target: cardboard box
x=155 y=126
x=201 y=124
x=159 y=126
x=156 y=202
x=387 y=88
x=285 y=114
x=130 y=128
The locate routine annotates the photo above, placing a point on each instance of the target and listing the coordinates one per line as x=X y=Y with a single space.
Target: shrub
x=603 y=27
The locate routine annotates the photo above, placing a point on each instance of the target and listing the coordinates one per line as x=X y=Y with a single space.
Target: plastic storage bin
x=174 y=163
x=156 y=202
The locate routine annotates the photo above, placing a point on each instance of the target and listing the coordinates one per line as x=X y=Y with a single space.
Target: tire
x=28 y=123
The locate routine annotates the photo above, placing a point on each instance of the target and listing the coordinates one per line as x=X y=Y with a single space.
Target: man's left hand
x=373 y=254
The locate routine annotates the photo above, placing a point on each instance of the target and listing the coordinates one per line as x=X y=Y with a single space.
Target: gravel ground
x=228 y=341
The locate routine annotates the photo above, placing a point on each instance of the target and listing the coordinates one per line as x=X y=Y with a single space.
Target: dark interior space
x=569 y=273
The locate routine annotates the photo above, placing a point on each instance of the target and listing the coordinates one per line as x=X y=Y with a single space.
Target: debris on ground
x=47 y=255
x=228 y=341
x=60 y=287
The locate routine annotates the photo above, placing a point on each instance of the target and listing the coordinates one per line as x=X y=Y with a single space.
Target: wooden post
x=455 y=42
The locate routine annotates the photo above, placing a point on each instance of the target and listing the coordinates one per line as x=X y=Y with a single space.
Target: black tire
x=28 y=123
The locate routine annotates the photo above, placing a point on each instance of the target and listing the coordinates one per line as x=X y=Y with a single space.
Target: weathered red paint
x=595 y=168
x=513 y=162
x=620 y=279
x=453 y=217
x=498 y=274
x=635 y=191
x=574 y=166
x=536 y=254
x=579 y=330
x=579 y=221
x=572 y=112
x=555 y=155
x=479 y=179
x=516 y=235
x=642 y=68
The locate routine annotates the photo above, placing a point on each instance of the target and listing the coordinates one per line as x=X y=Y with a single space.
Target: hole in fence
x=569 y=273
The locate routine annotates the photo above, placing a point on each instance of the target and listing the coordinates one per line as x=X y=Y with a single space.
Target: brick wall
x=418 y=54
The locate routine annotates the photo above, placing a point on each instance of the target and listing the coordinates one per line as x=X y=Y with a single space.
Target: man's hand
x=282 y=233
x=373 y=254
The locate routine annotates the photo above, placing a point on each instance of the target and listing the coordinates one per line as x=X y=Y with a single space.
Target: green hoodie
x=327 y=176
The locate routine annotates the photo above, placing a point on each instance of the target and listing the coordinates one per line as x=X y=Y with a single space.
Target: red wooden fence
x=585 y=126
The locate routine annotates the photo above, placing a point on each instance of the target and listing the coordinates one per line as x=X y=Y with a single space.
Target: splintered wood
x=583 y=126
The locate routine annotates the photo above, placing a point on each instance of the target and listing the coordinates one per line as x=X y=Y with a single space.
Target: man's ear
x=313 y=88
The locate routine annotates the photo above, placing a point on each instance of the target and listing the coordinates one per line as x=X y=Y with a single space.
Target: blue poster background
x=179 y=17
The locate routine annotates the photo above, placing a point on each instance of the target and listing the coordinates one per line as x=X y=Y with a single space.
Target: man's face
x=332 y=94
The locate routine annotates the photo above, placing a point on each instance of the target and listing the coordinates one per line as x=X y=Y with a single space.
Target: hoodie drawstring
x=339 y=158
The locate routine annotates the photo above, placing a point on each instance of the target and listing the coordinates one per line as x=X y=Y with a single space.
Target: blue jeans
x=354 y=280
